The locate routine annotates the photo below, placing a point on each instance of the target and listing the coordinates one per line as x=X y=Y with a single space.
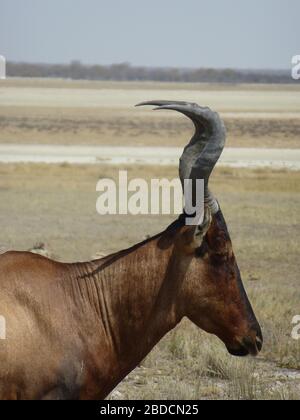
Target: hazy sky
x=185 y=33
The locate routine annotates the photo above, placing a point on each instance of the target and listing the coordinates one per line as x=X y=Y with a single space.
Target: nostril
x=253 y=344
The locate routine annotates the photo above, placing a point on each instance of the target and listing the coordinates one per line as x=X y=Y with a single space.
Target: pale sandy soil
x=166 y=156
x=95 y=113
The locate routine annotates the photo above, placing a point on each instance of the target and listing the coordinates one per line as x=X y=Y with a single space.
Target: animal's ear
x=194 y=234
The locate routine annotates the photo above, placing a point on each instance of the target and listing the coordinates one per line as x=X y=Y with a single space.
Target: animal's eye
x=219 y=244
x=217 y=259
x=219 y=250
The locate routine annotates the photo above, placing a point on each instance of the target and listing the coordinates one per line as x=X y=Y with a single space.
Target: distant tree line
x=125 y=72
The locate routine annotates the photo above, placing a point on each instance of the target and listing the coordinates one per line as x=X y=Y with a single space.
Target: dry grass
x=56 y=205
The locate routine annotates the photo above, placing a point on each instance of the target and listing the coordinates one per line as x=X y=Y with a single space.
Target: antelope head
x=212 y=293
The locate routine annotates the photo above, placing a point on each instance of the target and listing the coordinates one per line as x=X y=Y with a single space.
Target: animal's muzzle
x=250 y=345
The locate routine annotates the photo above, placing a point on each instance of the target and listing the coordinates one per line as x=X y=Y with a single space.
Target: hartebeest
x=74 y=331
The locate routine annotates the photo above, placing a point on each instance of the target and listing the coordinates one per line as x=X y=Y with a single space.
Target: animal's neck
x=141 y=300
x=136 y=295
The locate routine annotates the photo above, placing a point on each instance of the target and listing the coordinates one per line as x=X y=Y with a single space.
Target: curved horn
x=203 y=151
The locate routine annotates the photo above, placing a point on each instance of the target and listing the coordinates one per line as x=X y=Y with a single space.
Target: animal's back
x=22 y=265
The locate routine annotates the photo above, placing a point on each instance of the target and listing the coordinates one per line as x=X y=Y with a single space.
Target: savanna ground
x=56 y=205
x=95 y=113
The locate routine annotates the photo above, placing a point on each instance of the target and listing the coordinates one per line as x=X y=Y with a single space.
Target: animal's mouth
x=247 y=347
